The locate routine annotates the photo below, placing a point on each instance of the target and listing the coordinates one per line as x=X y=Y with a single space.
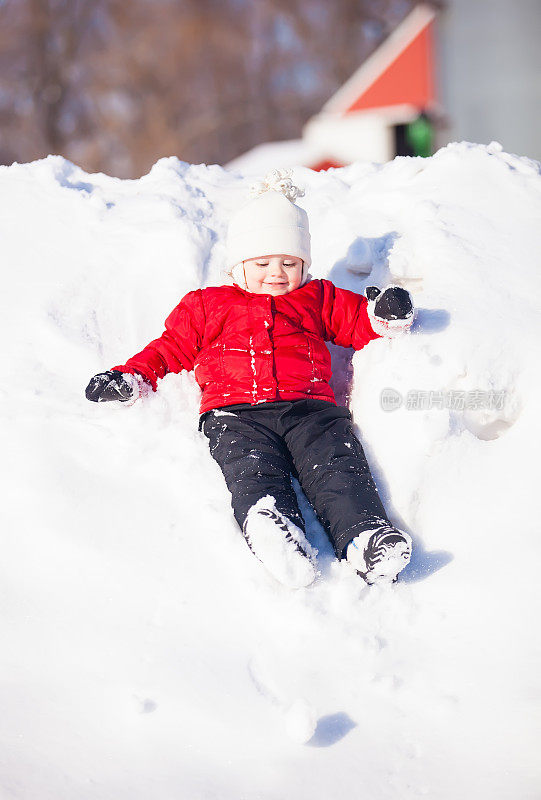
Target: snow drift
x=146 y=653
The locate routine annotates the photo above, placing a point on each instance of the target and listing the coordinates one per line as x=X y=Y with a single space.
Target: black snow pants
x=259 y=447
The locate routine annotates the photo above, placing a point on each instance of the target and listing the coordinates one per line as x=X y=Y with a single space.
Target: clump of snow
x=132 y=607
x=301 y=721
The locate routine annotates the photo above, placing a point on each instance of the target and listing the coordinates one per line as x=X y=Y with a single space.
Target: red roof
x=399 y=72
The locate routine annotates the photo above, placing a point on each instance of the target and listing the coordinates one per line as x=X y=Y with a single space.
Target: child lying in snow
x=258 y=352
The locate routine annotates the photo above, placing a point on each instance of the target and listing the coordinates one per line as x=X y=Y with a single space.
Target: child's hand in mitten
x=391 y=312
x=112 y=385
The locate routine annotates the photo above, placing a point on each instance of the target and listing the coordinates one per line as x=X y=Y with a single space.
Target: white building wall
x=366 y=136
x=490 y=73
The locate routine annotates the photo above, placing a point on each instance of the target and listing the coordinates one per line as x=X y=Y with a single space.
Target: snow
x=301 y=721
x=264 y=157
x=146 y=653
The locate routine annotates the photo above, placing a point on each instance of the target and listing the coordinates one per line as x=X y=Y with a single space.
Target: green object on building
x=419 y=135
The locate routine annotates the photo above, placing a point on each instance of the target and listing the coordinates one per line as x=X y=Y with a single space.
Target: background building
x=469 y=71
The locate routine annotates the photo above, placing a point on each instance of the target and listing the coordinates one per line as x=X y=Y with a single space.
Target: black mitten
x=108 y=386
x=393 y=303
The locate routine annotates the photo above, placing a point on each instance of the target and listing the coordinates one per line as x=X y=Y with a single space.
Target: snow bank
x=146 y=652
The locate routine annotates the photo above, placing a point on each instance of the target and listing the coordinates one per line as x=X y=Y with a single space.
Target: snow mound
x=145 y=652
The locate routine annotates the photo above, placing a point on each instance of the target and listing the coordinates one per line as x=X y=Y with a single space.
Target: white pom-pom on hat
x=277 y=180
x=269 y=224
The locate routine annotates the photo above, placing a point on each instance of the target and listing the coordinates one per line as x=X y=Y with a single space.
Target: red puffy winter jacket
x=256 y=348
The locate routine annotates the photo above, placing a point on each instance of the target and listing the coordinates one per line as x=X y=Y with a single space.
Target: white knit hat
x=269 y=224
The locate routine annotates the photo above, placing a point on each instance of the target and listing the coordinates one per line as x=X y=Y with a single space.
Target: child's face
x=273 y=274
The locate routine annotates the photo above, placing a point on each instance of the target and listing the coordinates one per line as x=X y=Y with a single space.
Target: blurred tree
x=115 y=85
